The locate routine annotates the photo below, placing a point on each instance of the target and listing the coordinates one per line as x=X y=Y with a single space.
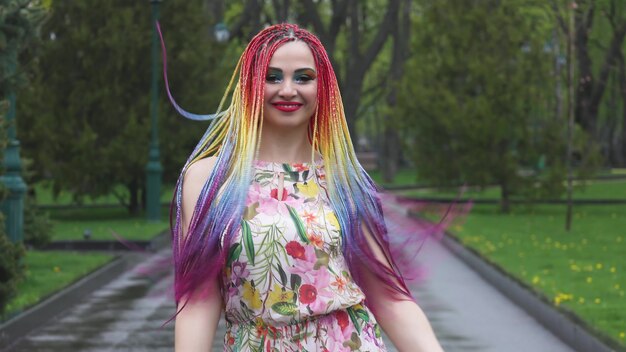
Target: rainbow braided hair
x=233 y=137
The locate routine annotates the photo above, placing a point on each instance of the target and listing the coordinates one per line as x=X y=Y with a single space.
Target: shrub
x=11 y=267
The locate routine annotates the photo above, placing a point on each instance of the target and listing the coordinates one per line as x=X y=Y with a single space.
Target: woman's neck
x=285 y=145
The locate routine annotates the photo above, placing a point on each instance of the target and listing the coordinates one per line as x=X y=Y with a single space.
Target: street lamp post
x=154 y=170
x=13 y=205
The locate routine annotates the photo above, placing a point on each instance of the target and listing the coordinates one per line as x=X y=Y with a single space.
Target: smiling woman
x=276 y=223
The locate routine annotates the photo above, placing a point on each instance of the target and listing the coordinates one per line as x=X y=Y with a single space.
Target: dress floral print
x=286 y=286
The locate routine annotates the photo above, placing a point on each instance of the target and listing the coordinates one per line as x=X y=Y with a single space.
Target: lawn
x=70 y=224
x=603 y=189
x=48 y=272
x=45 y=196
x=582 y=270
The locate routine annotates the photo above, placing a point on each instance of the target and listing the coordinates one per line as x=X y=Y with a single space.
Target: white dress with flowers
x=286 y=285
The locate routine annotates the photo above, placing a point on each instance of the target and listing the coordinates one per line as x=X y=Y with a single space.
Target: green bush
x=11 y=267
x=37 y=224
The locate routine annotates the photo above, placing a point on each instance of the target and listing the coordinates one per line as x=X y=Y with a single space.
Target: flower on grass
x=562 y=297
x=535 y=280
x=622 y=335
x=589 y=279
x=56 y=269
x=613 y=270
x=597 y=300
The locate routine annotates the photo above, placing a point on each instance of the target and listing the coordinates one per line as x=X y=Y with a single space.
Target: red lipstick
x=287 y=106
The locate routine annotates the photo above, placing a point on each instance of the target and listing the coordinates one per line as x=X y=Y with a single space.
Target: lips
x=286 y=106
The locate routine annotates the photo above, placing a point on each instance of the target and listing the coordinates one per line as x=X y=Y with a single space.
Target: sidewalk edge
x=573 y=333
x=41 y=313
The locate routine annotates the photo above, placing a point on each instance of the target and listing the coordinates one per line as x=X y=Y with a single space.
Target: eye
x=303 y=78
x=273 y=78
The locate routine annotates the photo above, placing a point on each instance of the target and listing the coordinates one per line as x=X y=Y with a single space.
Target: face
x=290 y=86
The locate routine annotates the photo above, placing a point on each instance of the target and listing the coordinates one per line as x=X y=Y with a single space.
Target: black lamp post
x=13 y=205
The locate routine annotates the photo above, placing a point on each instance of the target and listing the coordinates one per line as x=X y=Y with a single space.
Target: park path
x=466 y=313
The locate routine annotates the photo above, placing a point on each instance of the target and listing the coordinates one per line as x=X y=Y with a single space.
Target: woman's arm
x=197 y=322
x=403 y=321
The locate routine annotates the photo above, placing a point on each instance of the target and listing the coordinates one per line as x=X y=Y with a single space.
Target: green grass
x=45 y=195
x=583 y=270
x=614 y=189
x=70 y=224
x=403 y=177
x=48 y=272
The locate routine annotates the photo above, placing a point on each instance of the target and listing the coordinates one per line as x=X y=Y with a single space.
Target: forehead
x=294 y=54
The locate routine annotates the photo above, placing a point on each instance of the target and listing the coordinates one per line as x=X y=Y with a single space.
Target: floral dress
x=286 y=285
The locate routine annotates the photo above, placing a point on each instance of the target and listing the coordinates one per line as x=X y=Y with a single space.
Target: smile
x=287 y=106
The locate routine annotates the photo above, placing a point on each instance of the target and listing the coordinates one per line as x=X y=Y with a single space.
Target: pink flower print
x=336 y=339
x=321 y=278
x=269 y=201
x=304 y=266
x=274 y=194
x=239 y=272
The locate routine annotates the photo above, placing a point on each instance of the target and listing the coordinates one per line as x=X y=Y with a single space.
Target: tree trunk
x=505 y=197
x=133 y=203
x=620 y=145
x=400 y=35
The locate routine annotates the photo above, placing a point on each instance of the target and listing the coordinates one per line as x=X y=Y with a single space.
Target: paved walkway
x=467 y=314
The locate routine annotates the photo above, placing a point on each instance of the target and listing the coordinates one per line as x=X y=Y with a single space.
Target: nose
x=287 y=90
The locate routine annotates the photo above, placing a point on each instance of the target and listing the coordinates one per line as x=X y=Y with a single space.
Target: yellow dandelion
x=613 y=270
x=598 y=266
x=597 y=301
x=616 y=286
x=622 y=335
x=56 y=269
x=589 y=279
x=574 y=267
x=581 y=300
x=535 y=280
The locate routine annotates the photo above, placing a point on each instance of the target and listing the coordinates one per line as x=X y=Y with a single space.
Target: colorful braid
x=234 y=139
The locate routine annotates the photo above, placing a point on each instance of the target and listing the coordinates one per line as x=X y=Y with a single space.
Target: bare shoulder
x=196 y=176
x=200 y=170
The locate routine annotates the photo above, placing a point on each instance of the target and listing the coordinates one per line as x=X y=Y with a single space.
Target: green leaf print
x=233 y=253
x=355 y=322
x=285 y=308
x=247 y=240
x=299 y=225
x=363 y=315
x=296 y=280
x=283 y=275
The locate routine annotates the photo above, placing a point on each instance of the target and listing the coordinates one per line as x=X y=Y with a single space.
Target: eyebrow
x=298 y=70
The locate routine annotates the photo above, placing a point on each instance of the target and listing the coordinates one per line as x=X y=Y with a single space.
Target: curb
x=565 y=325
x=35 y=317
x=41 y=313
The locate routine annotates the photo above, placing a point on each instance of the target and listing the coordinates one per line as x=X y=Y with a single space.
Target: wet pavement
x=466 y=313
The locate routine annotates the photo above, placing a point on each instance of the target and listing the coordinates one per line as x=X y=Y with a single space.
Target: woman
x=276 y=223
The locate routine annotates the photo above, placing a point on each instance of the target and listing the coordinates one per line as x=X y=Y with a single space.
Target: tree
x=88 y=107
x=473 y=98
x=599 y=31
